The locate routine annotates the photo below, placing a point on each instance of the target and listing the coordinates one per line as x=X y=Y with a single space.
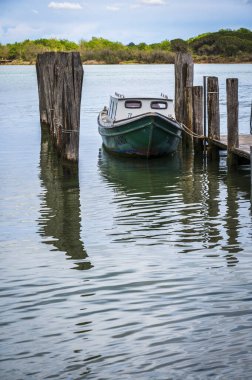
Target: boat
x=142 y=126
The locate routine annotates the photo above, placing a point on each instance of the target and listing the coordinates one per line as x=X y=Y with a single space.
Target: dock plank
x=245 y=141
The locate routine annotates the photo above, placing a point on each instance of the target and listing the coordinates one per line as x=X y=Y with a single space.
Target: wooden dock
x=197 y=109
x=245 y=141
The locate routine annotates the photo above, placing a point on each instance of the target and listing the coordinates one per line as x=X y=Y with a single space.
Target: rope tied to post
x=191 y=133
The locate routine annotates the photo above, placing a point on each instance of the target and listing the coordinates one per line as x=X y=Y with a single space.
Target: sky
x=123 y=20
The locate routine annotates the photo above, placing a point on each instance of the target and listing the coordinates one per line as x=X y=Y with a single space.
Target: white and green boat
x=139 y=126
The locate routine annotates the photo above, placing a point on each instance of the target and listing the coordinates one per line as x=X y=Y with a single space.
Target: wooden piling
x=197 y=96
x=188 y=116
x=60 y=77
x=232 y=113
x=213 y=113
x=251 y=169
x=232 y=119
x=213 y=108
x=183 y=78
x=251 y=118
x=205 y=112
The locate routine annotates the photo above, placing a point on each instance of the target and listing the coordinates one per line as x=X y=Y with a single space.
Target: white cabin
x=121 y=108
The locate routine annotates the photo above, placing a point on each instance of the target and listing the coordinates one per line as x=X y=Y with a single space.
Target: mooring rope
x=191 y=133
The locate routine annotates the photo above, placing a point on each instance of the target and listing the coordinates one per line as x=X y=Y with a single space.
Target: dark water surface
x=127 y=269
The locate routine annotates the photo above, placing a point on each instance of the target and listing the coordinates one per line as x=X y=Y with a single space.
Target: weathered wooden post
x=251 y=118
x=183 y=78
x=232 y=118
x=251 y=150
x=188 y=116
x=205 y=111
x=251 y=169
x=60 y=77
x=197 y=95
x=213 y=113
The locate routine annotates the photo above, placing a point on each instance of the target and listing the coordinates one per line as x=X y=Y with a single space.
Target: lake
x=129 y=268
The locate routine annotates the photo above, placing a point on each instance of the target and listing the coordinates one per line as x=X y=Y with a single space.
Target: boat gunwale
x=121 y=122
x=113 y=134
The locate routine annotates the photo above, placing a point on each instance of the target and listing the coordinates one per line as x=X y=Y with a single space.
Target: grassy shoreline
x=197 y=60
x=224 y=46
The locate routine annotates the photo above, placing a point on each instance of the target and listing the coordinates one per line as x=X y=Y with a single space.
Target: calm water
x=129 y=269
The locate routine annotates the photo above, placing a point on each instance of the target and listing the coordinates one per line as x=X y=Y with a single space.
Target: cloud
x=65 y=5
x=18 y=32
x=153 y=2
x=135 y=6
x=35 y=11
x=113 y=8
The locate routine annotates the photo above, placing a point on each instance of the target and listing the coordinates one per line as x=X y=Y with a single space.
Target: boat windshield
x=159 y=105
x=133 y=104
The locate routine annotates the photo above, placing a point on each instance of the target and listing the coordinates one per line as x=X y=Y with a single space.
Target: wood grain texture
x=213 y=109
x=60 y=77
x=183 y=78
x=197 y=96
x=232 y=113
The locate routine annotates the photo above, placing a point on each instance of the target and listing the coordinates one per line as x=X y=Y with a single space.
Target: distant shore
x=208 y=60
x=225 y=46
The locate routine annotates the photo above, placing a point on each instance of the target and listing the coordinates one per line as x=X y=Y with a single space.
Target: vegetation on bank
x=226 y=45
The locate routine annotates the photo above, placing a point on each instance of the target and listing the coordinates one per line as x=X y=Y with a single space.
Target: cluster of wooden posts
x=60 y=77
x=197 y=107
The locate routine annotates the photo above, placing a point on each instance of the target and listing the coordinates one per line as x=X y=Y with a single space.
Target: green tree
x=179 y=45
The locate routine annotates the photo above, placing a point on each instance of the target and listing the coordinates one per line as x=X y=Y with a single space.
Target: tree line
x=226 y=45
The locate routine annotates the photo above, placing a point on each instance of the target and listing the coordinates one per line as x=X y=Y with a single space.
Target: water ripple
x=161 y=248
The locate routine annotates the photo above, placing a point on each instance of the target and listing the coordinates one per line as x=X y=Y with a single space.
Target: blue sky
x=123 y=20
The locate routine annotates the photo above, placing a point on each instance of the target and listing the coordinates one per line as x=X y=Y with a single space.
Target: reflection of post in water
x=202 y=186
x=60 y=220
x=237 y=187
x=199 y=189
x=219 y=194
x=212 y=203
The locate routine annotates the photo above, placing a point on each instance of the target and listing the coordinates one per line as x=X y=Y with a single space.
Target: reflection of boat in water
x=144 y=197
x=60 y=220
x=144 y=178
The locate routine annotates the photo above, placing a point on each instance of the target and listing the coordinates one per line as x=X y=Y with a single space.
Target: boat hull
x=148 y=135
